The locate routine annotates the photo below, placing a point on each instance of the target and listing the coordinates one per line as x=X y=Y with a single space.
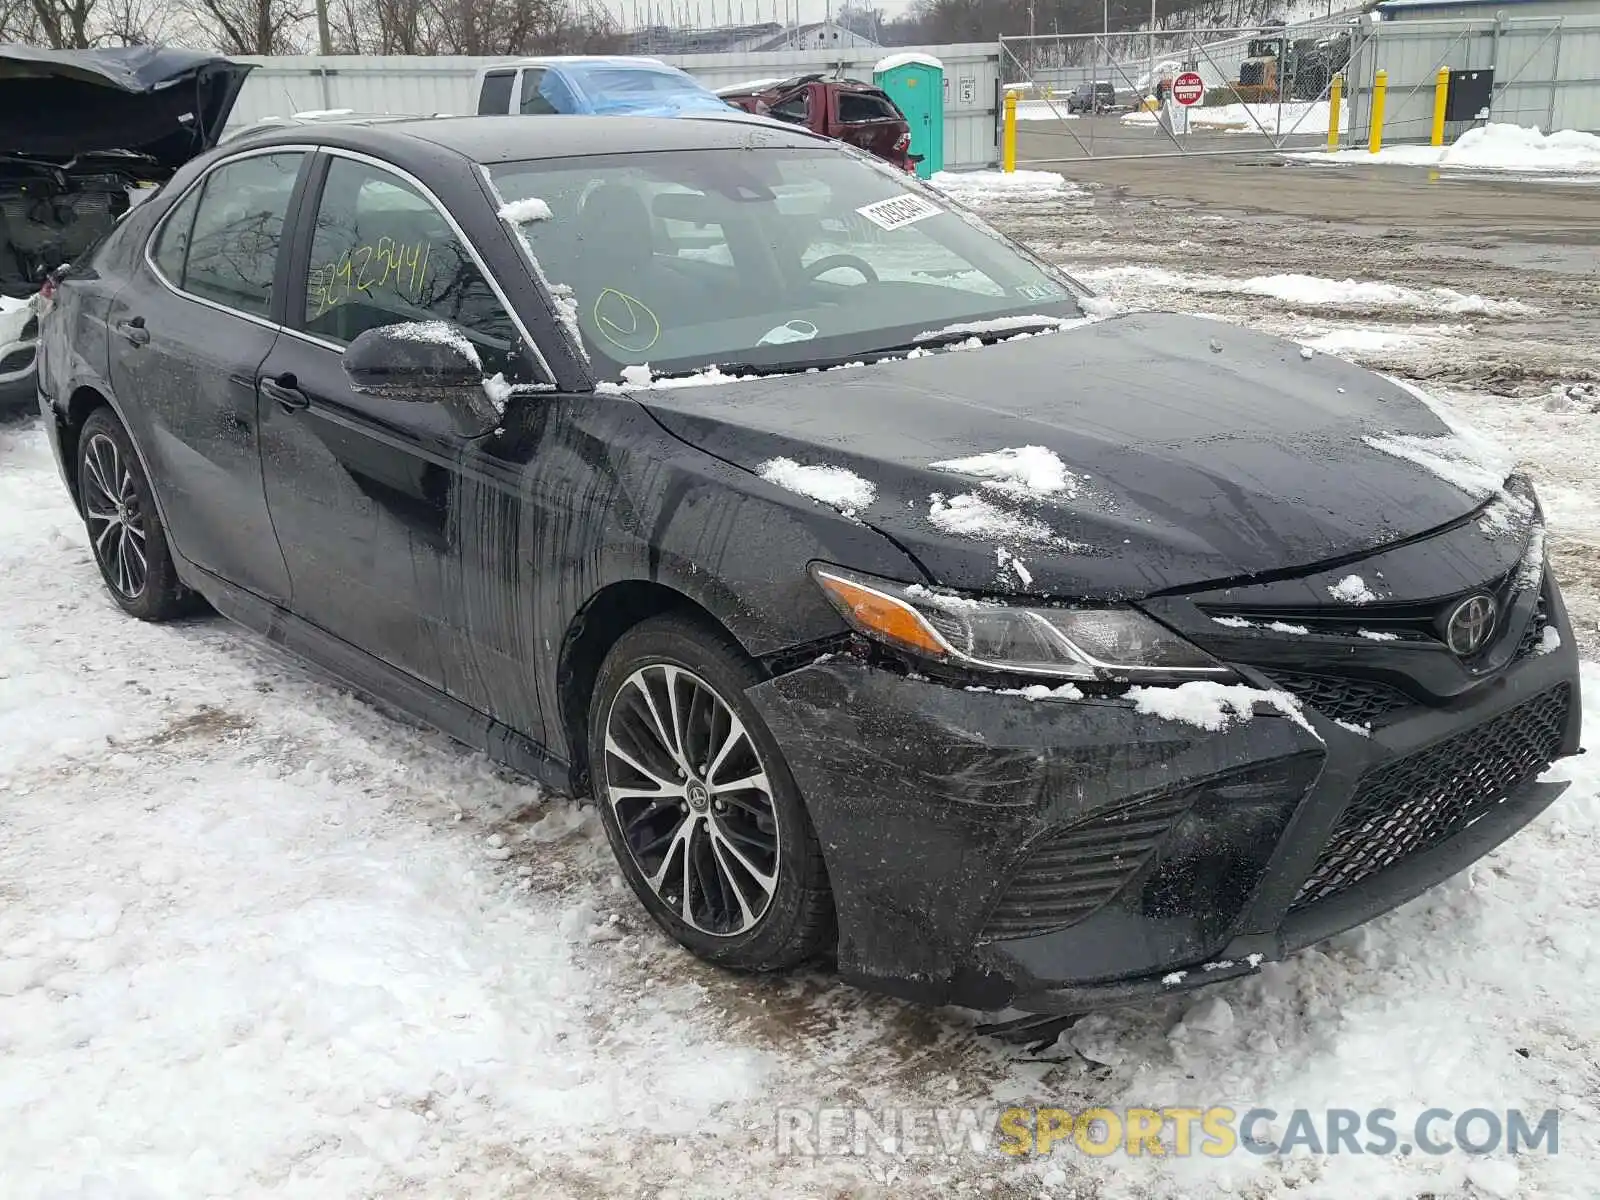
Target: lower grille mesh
x=1357 y=701
x=1075 y=870
x=1414 y=803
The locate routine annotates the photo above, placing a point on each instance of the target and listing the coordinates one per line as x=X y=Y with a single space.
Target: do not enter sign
x=1188 y=89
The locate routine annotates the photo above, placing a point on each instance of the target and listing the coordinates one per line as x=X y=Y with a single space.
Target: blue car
x=612 y=85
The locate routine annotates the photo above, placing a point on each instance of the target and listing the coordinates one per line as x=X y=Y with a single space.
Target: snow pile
x=1021 y=471
x=976 y=187
x=1352 y=589
x=1309 y=291
x=1212 y=705
x=1361 y=339
x=836 y=486
x=970 y=515
x=1044 y=110
x=1496 y=147
x=906 y=58
x=518 y=212
x=436 y=333
x=1299 y=117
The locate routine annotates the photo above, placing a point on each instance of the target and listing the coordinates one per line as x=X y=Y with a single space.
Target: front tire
x=126 y=536
x=698 y=803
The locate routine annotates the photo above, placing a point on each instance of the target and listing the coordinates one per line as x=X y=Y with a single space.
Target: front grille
x=1416 y=802
x=1075 y=870
x=1357 y=701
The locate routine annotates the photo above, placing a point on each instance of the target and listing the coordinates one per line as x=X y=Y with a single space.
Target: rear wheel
x=125 y=530
x=698 y=803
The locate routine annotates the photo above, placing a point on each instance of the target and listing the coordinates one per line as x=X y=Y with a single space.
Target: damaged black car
x=897 y=603
x=84 y=136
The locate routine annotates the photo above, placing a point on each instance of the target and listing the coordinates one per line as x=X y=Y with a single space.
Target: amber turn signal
x=882 y=616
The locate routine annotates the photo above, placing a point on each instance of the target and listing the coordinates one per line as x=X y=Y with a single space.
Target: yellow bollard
x=1380 y=89
x=1441 y=95
x=1335 y=94
x=1008 y=141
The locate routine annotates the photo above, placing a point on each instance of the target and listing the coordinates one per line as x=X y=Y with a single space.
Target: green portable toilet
x=915 y=82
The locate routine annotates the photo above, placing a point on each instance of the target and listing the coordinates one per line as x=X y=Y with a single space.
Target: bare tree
x=65 y=24
x=255 y=26
x=19 y=22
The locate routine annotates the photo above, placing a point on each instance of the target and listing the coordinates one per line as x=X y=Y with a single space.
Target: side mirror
x=419 y=361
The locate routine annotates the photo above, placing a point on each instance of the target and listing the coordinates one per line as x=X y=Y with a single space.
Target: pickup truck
x=609 y=85
x=844 y=109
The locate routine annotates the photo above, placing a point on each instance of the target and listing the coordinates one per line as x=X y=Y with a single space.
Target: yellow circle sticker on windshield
x=626 y=321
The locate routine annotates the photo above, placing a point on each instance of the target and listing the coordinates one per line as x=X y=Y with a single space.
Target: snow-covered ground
x=260 y=939
x=1512 y=148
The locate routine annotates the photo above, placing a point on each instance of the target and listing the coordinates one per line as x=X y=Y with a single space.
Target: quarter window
x=382 y=254
x=171 y=249
x=232 y=250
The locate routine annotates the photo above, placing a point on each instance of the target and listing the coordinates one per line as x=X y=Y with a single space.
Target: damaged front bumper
x=1057 y=856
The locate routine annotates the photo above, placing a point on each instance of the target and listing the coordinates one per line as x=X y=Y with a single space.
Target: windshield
x=769 y=258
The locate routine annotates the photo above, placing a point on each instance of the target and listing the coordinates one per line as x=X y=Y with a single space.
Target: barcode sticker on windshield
x=899 y=212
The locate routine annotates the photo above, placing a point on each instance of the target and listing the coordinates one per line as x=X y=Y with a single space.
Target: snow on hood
x=1019 y=470
x=836 y=486
x=1193 y=464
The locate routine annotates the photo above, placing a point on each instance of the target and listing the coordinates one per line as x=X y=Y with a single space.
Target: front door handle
x=134 y=331
x=283 y=389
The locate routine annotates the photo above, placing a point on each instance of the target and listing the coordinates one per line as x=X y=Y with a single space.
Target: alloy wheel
x=692 y=798
x=115 y=517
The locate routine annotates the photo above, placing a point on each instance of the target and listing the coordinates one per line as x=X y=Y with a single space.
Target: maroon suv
x=845 y=109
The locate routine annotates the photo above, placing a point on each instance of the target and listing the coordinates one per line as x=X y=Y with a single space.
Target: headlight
x=1109 y=644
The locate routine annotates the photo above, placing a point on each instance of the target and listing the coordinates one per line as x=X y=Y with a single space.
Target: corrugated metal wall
x=1547 y=71
x=424 y=85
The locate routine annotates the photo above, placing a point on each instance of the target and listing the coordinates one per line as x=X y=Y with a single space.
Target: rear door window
x=232 y=251
x=496 y=94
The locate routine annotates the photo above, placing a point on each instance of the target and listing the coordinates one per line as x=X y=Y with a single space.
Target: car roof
x=496 y=139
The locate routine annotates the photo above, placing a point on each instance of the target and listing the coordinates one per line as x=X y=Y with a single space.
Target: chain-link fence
x=1108 y=96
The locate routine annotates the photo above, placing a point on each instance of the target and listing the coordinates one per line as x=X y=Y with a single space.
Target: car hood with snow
x=1194 y=452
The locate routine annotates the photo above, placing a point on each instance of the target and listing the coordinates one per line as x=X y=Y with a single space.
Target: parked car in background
x=610 y=85
x=844 y=109
x=1043 y=672
x=1092 y=97
x=84 y=136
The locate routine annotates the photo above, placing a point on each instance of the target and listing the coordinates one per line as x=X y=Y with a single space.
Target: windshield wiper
x=936 y=341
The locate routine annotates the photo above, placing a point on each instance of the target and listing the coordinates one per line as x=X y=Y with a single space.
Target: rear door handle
x=134 y=331
x=282 y=389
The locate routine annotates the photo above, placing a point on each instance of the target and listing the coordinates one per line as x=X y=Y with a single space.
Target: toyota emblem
x=1470 y=625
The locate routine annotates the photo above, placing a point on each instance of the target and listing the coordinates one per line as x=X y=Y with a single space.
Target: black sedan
x=890 y=608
